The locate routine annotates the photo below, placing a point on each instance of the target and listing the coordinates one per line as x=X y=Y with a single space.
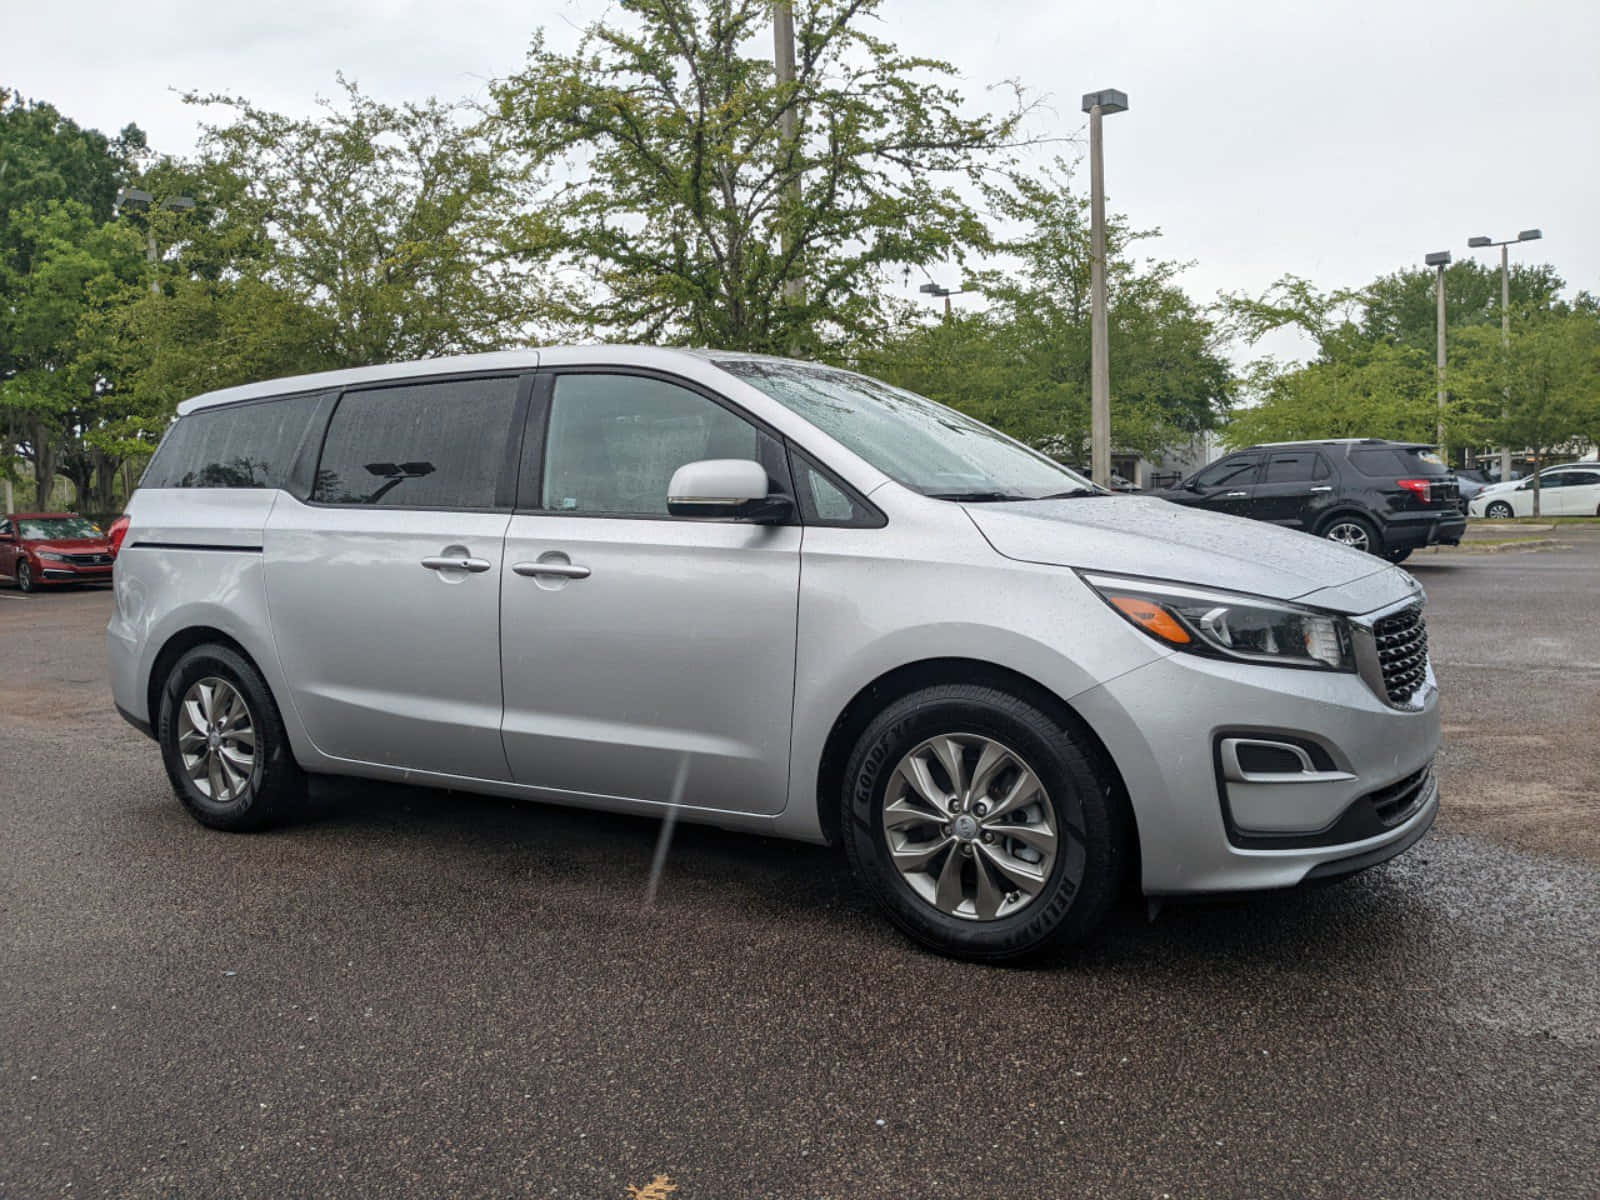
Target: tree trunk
x=44 y=465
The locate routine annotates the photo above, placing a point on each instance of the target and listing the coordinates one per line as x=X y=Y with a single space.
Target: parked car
x=771 y=596
x=1472 y=480
x=1570 y=490
x=1382 y=497
x=44 y=549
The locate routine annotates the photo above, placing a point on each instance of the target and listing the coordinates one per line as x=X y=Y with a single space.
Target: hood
x=97 y=545
x=1145 y=536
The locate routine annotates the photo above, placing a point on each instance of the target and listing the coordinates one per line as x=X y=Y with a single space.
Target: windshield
x=925 y=446
x=58 y=528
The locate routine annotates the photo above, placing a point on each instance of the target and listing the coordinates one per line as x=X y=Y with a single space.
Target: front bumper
x=58 y=572
x=1200 y=832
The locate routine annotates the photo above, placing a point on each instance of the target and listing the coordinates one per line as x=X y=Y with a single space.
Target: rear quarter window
x=1398 y=463
x=232 y=446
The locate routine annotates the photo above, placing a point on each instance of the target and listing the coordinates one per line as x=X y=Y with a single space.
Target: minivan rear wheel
x=223 y=743
x=984 y=828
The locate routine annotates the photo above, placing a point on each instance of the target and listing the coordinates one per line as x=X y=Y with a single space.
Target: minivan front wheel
x=223 y=744
x=984 y=828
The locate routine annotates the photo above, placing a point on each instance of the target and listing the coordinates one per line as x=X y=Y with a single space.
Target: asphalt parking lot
x=416 y=993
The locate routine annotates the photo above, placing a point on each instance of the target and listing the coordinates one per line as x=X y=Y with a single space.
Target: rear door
x=1294 y=488
x=665 y=644
x=384 y=585
x=1569 y=493
x=8 y=548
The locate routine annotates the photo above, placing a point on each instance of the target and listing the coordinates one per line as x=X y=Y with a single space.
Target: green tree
x=375 y=230
x=1024 y=365
x=60 y=265
x=681 y=211
x=1541 y=392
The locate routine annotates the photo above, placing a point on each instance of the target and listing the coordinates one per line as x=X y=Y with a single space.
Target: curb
x=1493 y=548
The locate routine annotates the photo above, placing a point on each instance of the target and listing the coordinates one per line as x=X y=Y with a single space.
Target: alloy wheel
x=1348 y=533
x=217 y=740
x=1499 y=510
x=969 y=826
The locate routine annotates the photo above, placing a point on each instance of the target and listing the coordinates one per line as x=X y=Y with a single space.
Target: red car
x=45 y=548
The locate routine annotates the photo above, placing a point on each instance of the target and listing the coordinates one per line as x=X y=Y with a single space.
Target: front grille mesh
x=90 y=560
x=1402 y=652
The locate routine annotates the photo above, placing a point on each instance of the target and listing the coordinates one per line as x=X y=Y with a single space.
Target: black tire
x=1090 y=817
x=1499 y=510
x=25 y=582
x=1398 y=555
x=1347 y=527
x=276 y=785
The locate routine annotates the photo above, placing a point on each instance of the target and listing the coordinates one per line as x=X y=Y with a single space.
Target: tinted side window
x=614 y=442
x=1298 y=467
x=235 y=446
x=1230 y=470
x=421 y=445
x=1582 y=478
x=1376 y=463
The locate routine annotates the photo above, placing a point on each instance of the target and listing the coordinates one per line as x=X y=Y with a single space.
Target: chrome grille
x=1402 y=642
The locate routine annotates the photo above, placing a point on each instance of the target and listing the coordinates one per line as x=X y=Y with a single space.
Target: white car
x=1570 y=490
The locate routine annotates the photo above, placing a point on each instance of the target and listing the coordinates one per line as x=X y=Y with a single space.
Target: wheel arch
x=910 y=677
x=1325 y=522
x=179 y=644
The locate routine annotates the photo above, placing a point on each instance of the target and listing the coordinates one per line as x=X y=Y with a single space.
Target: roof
x=1340 y=442
x=500 y=360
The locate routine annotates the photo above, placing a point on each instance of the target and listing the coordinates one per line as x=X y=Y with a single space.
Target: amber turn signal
x=1151 y=617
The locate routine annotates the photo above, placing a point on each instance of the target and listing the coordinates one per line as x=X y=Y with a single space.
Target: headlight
x=1230 y=625
x=45 y=554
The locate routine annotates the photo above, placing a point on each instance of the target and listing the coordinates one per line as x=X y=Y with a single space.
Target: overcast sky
x=1332 y=139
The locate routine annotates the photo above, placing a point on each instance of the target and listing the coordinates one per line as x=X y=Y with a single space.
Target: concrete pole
x=1440 y=356
x=1099 y=338
x=1505 y=344
x=794 y=290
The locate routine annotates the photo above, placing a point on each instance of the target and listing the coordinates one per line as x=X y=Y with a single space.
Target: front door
x=1225 y=485
x=637 y=645
x=384 y=589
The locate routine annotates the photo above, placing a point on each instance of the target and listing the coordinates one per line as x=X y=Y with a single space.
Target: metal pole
x=1099 y=339
x=1505 y=345
x=150 y=255
x=1440 y=357
x=794 y=289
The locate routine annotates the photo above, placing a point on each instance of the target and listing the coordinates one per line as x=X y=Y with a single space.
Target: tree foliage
x=680 y=212
x=1024 y=365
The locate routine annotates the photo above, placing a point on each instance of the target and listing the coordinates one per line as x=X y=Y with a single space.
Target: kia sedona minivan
x=776 y=597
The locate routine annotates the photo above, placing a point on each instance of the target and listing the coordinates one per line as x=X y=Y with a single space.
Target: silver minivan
x=776 y=597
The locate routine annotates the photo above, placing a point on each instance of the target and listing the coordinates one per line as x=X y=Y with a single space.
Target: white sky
x=1332 y=139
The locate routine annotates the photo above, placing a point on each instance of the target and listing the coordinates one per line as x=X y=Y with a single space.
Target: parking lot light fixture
x=1097 y=104
x=1440 y=259
x=1478 y=243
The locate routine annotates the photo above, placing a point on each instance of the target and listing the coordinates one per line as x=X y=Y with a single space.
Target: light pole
x=1097 y=104
x=794 y=289
x=1475 y=243
x=1440 y=259
x=933 y=289
x=142 y=201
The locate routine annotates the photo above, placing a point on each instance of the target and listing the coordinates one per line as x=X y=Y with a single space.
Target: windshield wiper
x=1074 y=493
x=974 y=497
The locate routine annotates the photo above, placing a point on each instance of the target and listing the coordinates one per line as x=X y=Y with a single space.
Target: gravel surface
x=417 y=993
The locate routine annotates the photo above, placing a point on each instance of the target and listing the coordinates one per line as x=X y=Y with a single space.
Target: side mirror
x=724 y=487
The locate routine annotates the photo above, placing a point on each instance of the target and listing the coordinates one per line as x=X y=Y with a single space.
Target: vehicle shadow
x=602 y=861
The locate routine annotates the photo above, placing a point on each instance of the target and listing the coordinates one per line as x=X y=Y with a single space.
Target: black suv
x=1383 y=497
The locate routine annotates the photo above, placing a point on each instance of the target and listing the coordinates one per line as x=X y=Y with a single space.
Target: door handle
x=441 y=562
x=1323 y=488
x=1235 y=495
x=562 y=569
